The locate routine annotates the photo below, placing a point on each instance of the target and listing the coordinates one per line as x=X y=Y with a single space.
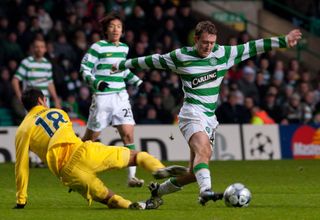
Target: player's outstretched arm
x=293 y=37
x=154 y=61
x=236 y=54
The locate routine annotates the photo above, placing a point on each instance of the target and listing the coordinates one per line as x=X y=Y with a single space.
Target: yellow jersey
x=48 y=133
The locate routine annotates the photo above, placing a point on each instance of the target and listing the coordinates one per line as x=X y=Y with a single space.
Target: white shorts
x=109 y=109
x=192 y=120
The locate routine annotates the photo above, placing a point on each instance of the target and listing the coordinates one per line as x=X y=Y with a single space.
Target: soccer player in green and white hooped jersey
x=36 y=71
x=110 y=104
x=201 y=69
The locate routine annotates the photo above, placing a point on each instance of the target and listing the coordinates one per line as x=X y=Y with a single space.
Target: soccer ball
x=237 y=195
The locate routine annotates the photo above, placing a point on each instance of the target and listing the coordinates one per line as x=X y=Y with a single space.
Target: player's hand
x=293 y=37
x=19 y=206
x=102 y=85
x=115 y=68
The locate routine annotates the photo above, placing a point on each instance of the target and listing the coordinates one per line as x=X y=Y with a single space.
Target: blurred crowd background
x=284 y=91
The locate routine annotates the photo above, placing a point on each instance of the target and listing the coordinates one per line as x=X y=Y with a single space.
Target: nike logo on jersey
x=198 y=81
x=109 y=54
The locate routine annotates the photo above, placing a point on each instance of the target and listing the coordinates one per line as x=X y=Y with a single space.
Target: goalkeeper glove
x=102 y=85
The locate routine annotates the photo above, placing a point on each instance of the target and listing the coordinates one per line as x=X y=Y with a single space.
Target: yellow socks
x=118 y=202
x=148 y=162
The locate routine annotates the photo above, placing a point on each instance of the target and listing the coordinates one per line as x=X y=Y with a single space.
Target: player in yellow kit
x=48 y=133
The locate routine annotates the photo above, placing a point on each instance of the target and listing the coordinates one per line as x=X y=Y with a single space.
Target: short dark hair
x=30 y=97
x=205 y=27
x=104 y=22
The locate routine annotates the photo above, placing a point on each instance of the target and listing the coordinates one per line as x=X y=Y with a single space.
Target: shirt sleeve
x=131 y=78
x=87 y=65
x=50 y=76
x=21 y=71
x=155 y=61
x=236 y=54
x=22 y=166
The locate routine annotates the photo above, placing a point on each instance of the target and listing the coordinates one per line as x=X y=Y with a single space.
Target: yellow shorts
x=79 y=173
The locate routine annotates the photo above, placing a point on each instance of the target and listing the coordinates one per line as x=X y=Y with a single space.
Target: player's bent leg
x=145 y=160
x=117 y=201
x=170 y=171
x=126 y=133
x=171 y=185
x=200 y=145
x=152 y=164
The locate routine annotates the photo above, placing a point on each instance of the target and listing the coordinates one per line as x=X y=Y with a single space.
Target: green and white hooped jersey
x=97 y=63
x=36 y=74
x=201 y=77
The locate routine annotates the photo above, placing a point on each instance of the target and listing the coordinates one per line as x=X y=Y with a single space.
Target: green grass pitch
x=286 y=189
